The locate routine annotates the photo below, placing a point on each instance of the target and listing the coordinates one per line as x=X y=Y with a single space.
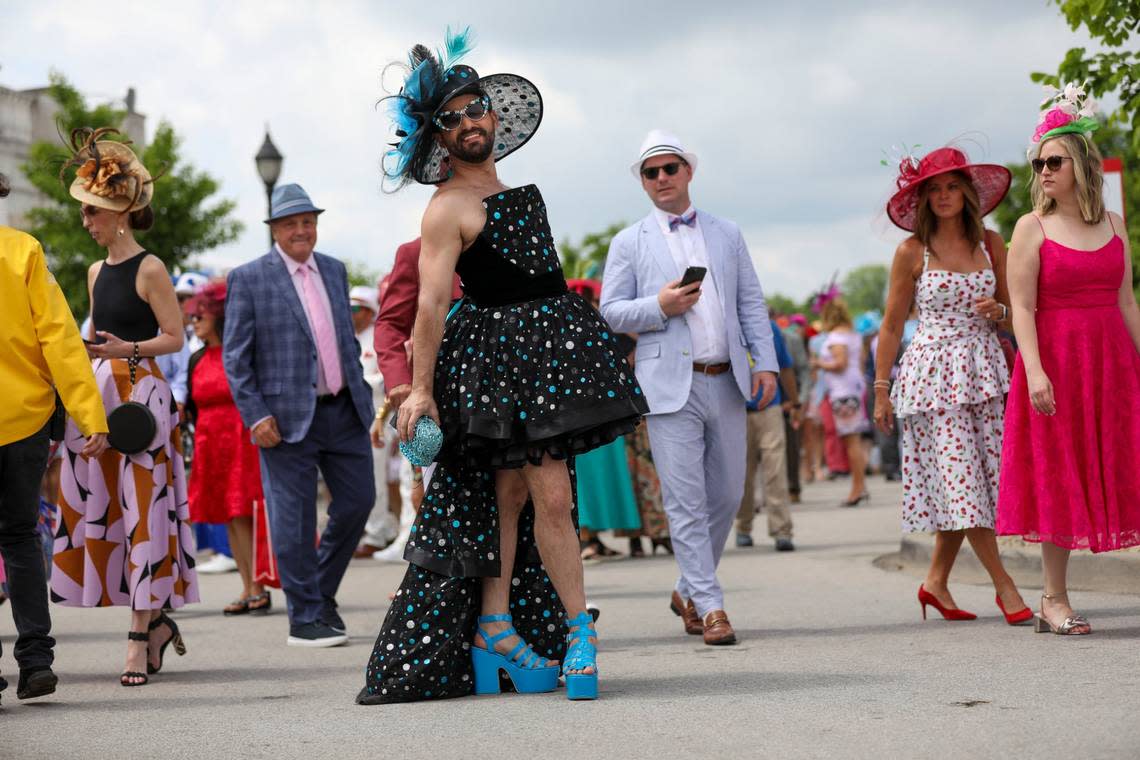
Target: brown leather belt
x=712 y=369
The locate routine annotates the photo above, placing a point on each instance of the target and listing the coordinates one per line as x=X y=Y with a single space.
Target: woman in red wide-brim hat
x=950 y=388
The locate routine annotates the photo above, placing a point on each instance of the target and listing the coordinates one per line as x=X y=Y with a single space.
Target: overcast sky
x=788 y=105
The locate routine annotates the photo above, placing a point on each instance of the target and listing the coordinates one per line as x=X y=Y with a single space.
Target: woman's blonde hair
x=926 y=222
x=1088 y=171
x=835 y=313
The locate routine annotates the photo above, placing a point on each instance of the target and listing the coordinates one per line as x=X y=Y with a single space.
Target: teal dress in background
x=605 y=489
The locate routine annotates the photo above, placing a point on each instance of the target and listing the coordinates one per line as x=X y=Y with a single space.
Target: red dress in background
x=1073 y=479
x=225 y=474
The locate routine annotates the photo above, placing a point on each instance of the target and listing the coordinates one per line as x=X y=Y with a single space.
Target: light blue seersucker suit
x=696 y=421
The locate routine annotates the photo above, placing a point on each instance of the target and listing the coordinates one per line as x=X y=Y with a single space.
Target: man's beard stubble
x=477 y=154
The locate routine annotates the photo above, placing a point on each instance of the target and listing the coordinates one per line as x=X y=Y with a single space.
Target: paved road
x=834 y=661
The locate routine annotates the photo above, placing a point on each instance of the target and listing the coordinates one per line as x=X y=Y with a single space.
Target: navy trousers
x=338 y=445
x=21 y=470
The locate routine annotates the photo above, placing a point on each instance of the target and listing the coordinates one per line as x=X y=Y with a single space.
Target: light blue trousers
x=699 y=451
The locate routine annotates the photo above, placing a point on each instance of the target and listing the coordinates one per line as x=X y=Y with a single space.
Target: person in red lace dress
x=225 y=476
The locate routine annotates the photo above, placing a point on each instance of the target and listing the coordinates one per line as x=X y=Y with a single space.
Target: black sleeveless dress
x=525 y=369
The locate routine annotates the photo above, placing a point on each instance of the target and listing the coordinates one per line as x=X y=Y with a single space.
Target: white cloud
x=788 y=105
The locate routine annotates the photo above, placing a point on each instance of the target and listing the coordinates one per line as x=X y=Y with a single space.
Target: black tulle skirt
x=545 y=377
x=513 y=384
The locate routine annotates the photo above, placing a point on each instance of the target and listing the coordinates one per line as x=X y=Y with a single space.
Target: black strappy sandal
x=260 y=604
x=136 y=636
x=237 y=607
x=175 y=638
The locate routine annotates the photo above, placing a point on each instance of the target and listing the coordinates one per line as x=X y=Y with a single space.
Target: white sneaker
x=393 y=552
x=219 y=563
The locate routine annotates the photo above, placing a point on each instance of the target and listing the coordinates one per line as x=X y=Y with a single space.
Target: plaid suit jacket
x=268 y=349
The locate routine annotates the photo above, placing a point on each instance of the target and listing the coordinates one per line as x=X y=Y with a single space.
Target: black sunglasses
x=670 y=168
x=1053 y=162
x=475 y=110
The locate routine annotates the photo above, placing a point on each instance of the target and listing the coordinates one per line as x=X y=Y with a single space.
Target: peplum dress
x=949 y=397
x=1073 y=479
x=526 y=369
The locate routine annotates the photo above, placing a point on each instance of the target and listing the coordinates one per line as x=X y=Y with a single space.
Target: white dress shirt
x=706 y=317
x=292 y=267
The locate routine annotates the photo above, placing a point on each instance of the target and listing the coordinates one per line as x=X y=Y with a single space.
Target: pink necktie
x=323 y=332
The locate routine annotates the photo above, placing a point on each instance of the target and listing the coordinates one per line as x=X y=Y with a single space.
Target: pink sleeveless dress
x=1073 y=479
x=949 y=397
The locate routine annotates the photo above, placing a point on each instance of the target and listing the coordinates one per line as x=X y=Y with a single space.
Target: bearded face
x=473 y=140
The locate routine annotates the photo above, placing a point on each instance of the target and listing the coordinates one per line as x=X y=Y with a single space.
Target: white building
x=26 y=117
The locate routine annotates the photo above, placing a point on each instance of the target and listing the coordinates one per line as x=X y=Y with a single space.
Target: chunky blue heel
x=581 y=653
x=529 y=673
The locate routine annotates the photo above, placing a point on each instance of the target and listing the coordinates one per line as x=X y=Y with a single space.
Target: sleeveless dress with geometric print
x=1073 y=478
x=949 y=399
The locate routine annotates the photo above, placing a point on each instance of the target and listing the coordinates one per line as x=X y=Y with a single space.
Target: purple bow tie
x=688 y=220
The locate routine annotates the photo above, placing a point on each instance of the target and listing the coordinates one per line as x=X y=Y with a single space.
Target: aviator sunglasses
x=475 y=110
x=670 y=168
x=1053 y=162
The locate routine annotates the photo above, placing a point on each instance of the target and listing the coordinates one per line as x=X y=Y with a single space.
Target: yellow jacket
x=40 y=347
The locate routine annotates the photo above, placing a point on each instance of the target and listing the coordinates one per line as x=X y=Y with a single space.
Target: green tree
x=587 y=259
x=865 y=287
x=778 y=303
x=1115 y=70
x=1112 y=71
x=188 y=219
x=360 y=273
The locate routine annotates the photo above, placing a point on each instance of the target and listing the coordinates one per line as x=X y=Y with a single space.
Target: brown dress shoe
x=365 y=550
x=718 y=631
x=688 y=615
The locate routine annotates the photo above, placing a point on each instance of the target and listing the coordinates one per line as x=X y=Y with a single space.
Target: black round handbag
x=132 y=427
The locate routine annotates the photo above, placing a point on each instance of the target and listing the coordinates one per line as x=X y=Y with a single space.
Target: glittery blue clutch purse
x=425 y=444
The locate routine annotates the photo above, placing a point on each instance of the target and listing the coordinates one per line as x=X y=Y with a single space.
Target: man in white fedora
x=695 y=336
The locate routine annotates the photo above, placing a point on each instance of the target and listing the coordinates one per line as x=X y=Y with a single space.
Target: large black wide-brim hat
x=514 y=99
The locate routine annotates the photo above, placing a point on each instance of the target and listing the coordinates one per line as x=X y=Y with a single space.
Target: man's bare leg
x=549 y=486
x=511 y=495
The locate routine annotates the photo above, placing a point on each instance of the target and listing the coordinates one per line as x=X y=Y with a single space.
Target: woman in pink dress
x=1070 y=477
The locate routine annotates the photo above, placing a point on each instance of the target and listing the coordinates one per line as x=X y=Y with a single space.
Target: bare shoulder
x=455 y=212
x=1029 y=229
x=152 y=266
x=909 y=253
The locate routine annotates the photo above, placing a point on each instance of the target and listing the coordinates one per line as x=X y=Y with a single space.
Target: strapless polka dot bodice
x=514 y=258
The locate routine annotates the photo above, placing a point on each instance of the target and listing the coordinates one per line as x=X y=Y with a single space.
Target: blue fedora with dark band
x=289 y=200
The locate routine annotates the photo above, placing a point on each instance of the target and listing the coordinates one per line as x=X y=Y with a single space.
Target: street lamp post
x=269 y=160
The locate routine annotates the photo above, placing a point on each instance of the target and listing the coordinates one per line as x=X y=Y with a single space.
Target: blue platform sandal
x=581 y=653
x=529 y=673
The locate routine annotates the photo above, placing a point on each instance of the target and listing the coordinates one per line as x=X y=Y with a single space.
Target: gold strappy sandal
x=1074 y=625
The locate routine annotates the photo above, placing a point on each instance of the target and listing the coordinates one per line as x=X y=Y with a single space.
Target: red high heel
x=1016 y=618
x=925 y=598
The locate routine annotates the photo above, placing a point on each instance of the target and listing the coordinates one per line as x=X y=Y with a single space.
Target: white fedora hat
x=365 y=296
x=661 y=143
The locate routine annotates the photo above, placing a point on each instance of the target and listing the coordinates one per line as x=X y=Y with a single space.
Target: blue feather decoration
x=455 y=47
x=409 y=110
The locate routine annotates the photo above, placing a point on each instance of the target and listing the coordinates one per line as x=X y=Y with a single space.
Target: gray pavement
x=834 y=661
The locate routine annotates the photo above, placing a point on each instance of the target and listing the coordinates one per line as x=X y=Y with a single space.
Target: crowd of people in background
x=1002 y=388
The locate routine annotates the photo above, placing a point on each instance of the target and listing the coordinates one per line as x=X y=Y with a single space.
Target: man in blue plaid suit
x=293 y=364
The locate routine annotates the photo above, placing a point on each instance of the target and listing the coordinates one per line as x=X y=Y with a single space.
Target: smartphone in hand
x=692 y=276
